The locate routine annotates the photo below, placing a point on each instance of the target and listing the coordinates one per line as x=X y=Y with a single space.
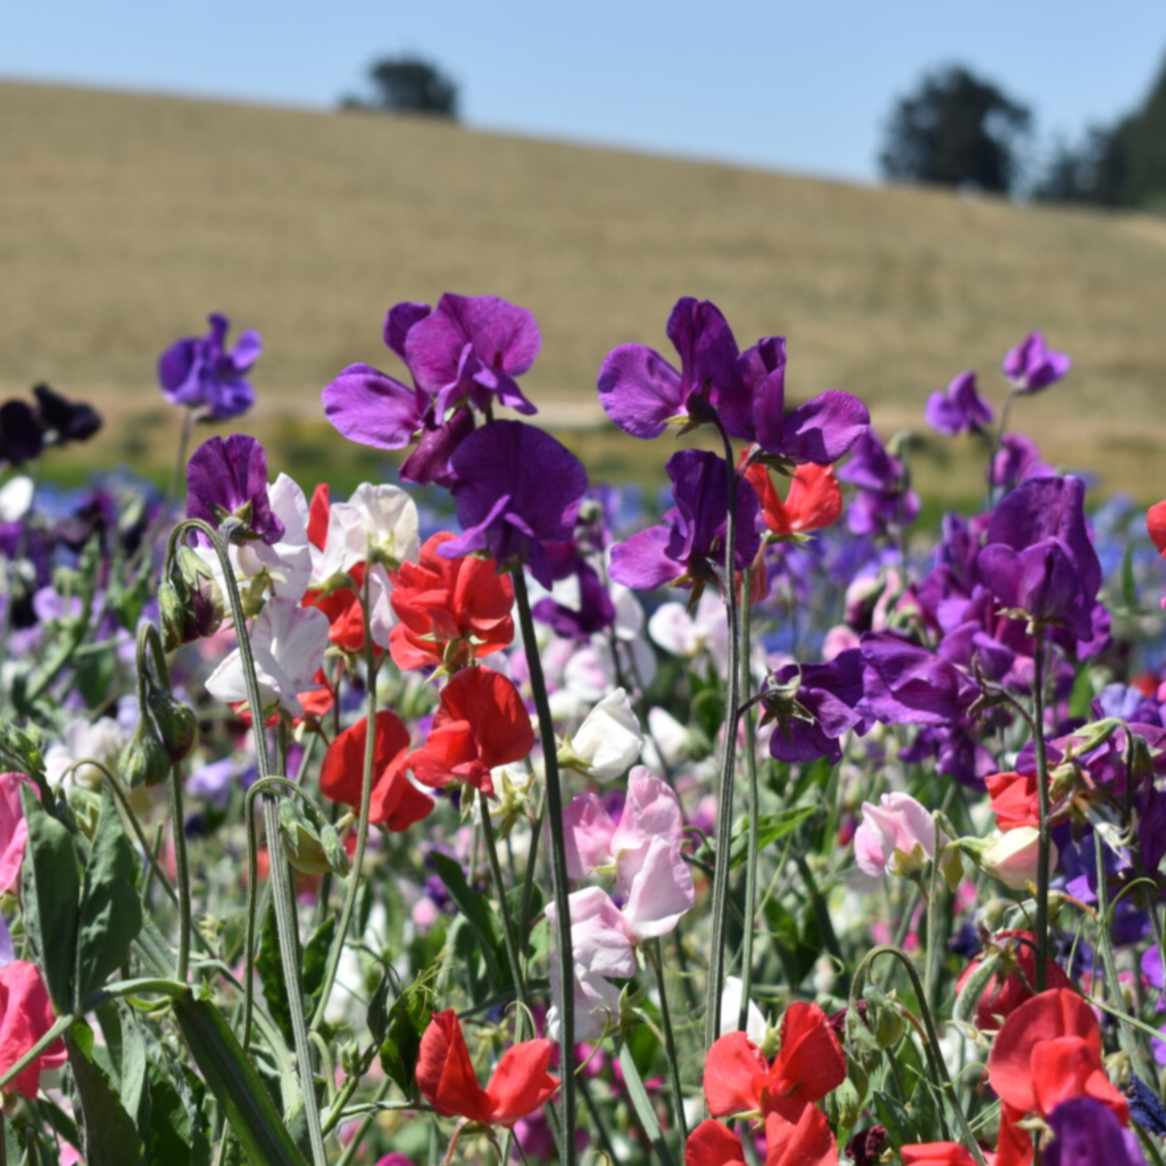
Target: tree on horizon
x=407 y=84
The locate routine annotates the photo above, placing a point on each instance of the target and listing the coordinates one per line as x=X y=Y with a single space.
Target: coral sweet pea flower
x=1048 y=1051
x=396 y=802
x=1013 y=983
x=451 y=610
x=1015 y=800
x=25 y=1016
x=480 y=724
x=814 y=499
x=445 y=1075
x=738 y=1078
x=805 y=1142
x=937 y=1154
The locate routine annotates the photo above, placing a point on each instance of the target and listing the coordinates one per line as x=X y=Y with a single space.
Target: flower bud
x=177 y=724
x=844 y=1105
x=312 y=848
x=145 y=760
x=883 y=1017
x=190 y=601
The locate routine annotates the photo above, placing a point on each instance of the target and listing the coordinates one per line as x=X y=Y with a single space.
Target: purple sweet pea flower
x=961 y=409
x=691 y=545
x=1085 y=1133
x=596 y=610
x=199 y=373
x=641 y=392
x=1031 y=366
x=1040 y=558
x=882 y=500
x=469 y=348
x=752 y=408
x=906 y=684
x=1016 y=460
x=227 y=479
x=371 y=408
x=829 y=693
x=516 y=489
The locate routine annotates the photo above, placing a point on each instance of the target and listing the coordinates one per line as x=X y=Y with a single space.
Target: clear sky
x=803 y=87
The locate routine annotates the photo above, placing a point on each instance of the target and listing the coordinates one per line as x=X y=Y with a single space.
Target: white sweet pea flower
x=15 y=498
x=377 y=522
x=684 y=635
x=755 y=1026
x=1013 y=857
x=100 y=741
x=609 y=741
x=288 y=643
x=669 y=736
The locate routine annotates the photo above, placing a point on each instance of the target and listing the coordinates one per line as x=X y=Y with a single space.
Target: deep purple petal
x=825 y=428
x=642 y=562
x=906 y=684
x=1086 y=1133
x=225 y=476
x=398 y=321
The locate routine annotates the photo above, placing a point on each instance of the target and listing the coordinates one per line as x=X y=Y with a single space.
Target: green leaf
x=478 y=913
x=316 y=961
x=894 y=1116
x=176 y=1134
x=642 y=1104
x=234 y=1082
x=770 y=827
x=109 y=1134
x=111 y=911
x=50 y=894
x=408 y=1018
x=270 y=968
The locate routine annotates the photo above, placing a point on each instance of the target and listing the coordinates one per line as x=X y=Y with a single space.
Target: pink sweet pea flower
x=893 y=828
x=13 y=829
x=25 y=1016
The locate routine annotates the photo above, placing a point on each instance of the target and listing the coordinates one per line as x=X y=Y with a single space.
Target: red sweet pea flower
x=814 y=499
x=1014 y=983
x=319 y=511
x=481 y=723
x=396 y=802
x=25 y=1016
x=805 y=1142
x=1156 y=526
x=345 y=614
x=1048 y=1051
x=738 y=1078
x=937 y=1154
x=446 y=1077
x=451 y=610
x=1015 y=800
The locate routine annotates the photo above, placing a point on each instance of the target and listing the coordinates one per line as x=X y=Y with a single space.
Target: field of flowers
x=501 y=816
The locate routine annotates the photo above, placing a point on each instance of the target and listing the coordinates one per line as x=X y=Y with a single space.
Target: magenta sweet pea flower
x=516 y=489
x=642 y=393
x=1032 y=366
x=26 y=1014
x=1016 y=460
x=200 y=373
x=960 y=409
x=13 y=828
x=228 y=479
x=690 y=547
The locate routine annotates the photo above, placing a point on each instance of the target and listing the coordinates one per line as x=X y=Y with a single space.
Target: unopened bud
x=145 y=760
x=177 y=724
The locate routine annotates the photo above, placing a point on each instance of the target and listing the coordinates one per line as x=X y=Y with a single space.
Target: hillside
x=125 y=218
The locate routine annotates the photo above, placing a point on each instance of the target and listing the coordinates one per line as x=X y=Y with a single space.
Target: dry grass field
x=125 y=218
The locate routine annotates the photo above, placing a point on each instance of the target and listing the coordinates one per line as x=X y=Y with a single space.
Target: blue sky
x=803 y=87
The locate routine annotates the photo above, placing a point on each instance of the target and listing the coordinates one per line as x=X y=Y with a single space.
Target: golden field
x=124 y=219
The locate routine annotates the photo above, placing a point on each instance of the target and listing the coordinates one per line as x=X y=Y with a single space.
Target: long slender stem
x=720 y=903
x=1042 y=790
x=182 y=869
x=750 y=747
x=370 y=662
x=670 y=1041
x=564 y=954
x=287 y=927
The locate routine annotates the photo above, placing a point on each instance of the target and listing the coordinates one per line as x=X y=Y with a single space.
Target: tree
x=408 y=85
x=956 y=129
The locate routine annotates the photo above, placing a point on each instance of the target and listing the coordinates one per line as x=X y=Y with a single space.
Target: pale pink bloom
x=288 y=643
x=838 y=639
x=1013 y=857
x=894 y=827
x=687 y=635
x=13 y=828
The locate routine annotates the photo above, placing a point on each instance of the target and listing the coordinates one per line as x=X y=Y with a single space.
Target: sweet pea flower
x=690 y=547
x=814 y=500
x=288 y=643
x=395 y=803
x=1086 y=1132
x=1032 y=366
x=377 y=524
x=897 y=836
x=608 y=742
x=481 y=724
x=445 y=1076
x=960 y=409
x=13 y=828
x=1013 y=982
x=451 y=611
x=904 y=683
x=228 y=479
x=16 y=498
x=814 y=707
x=26 y=1014
x=738 y=1079
x=517 y=489
x=686 y=634
x=937 y=1154
x=1016 y=460
x=807 y=1141
x=199 y=373
x=1013 y=857
x=654 y=881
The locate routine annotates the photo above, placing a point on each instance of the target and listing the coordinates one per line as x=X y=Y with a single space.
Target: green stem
x=182 y=868
x=754 y=806
x=934 y=948
x=563 y=954
x=1044 y=844
x=670 y=1041
x=724 y=827
x=366 y=784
